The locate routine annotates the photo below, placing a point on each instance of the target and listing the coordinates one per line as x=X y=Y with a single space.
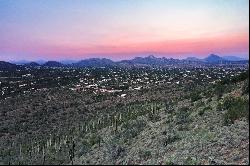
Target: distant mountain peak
x=32 y=64
x=212 y=58
x=192 y=59
x=53 y=64
x=151 y=56
x=7 y=66
x=96 y=62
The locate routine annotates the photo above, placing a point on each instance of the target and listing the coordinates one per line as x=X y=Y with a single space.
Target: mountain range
x=94 y=62
x=149 y=60
x=212 y=58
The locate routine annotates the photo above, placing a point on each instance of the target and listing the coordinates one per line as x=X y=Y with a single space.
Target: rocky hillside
x=207 y=127
x=185 y=123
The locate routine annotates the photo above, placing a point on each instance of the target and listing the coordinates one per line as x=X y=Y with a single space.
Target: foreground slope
x=200 y=130
x=186 y=122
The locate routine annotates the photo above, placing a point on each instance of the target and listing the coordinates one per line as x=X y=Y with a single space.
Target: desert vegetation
x=165 y=123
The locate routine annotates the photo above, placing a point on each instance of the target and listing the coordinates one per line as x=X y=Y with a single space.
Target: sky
x=122 y=29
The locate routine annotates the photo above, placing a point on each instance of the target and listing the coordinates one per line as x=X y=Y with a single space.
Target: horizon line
x=77 y=60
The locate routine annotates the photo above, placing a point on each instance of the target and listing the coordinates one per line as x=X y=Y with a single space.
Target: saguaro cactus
x=72 y=152
x=20 y=151
x=120 y=117
x=50 y=140
x=86 y=128
x=44 y=155
x=116 y=124
x=93 y=125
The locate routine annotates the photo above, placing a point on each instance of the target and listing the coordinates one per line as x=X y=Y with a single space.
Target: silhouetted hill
x=7 y=66
x=214 y=59
x=192 y=59
x=21 y=62
x=94 y=62
x=149 y=60
x=68 y=62
x=53 y=64
x=233 y=58
x=32 y=64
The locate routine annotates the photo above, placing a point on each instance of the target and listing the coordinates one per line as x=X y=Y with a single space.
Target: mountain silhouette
x=94 y=62
x=53 y=64
x=7 y=66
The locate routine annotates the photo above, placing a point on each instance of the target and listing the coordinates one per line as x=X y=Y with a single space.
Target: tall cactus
x=120 y=117
x=86 y=128
x=44 y=155
x=93 y=125
x=72 y=152
x=50 y=140
x=20 y=152
x=152 y=109
x=116 y=124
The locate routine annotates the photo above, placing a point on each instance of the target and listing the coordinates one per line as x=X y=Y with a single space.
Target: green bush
x=145 y=154
x=220 y=106
x=171 y=138
x=131 y=129
x=195 y=96
x=245 y=88
x=209 y=99
x=241 y=77
x=153 y=117
x=190 y=161
x=169 y=163
x=94 y=139
x=183 y=127
x=183 y=115
x=219 y=90
x=236 y=108
x=201 y=112
x=199 y=103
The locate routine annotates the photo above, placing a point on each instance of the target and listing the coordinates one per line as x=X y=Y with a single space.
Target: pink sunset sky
x=122 y=29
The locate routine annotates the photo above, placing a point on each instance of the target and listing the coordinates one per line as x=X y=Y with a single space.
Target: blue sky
x=64 y=29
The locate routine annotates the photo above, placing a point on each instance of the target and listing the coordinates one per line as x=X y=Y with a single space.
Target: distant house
x=123 y=95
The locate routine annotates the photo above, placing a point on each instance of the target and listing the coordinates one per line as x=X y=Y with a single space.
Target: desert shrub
x=153 y=117
x=195 y=96
x=168 y=162
x=219 y=90
x=241 y=77
x=201 y=112
x=245 y=88
x=238 y=78
x=199 y=103
x=209 y=99
x=171 y=138
x=145 y=154
x=131 y=129
x=191 y=161
x=114 y=149
x=94 y=139
x=182 y=115
x=84 y=148
x=117 y=151
x=236 y=108
x=219 y=106
x=183 y=127
x=169 y=107
x=207 y=93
